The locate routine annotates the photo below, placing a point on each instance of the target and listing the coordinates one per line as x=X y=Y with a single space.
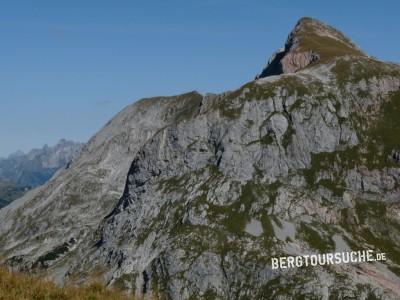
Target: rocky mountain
x=21 y=172
x=189 y=197
x=308 y=43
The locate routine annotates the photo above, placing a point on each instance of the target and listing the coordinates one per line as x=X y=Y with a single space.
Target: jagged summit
x=309 y=42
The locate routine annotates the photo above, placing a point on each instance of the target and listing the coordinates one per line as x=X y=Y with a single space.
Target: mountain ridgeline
x=190 y=196
x=21 y=172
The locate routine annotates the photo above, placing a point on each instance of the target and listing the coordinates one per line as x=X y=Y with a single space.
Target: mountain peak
x=311 y=41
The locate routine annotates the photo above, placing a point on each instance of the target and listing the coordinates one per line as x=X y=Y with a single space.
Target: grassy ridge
x=17 y=286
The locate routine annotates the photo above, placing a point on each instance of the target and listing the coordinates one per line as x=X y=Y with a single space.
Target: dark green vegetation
x=10 y=192
x=58 y=251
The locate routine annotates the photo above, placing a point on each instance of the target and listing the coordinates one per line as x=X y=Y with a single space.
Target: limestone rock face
x=189 y=197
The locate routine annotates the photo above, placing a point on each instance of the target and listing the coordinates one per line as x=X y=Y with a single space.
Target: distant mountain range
x=21 y=172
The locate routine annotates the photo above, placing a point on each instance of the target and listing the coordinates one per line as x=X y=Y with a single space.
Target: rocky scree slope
x=189 y=197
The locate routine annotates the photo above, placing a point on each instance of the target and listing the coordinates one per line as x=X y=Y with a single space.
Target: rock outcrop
x=189 y=197
x=310 y=42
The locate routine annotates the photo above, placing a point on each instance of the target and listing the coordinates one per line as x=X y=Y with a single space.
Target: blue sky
x=66 y=67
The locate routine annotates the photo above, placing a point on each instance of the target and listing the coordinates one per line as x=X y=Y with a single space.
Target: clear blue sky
x=66 y=67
